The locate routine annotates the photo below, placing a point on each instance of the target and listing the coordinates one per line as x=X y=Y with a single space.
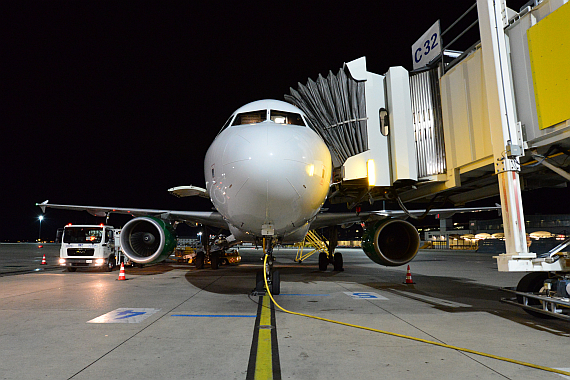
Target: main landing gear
x=331 y=257
x=334 y=259
x=273 y=277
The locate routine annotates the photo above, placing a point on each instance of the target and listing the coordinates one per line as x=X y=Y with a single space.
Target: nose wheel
x=273 y=276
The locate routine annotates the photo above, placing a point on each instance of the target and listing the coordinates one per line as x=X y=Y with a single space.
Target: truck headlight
x=100 y=261
x=62 y=261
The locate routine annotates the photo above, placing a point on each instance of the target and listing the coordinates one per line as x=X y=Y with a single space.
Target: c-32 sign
x=427 y=47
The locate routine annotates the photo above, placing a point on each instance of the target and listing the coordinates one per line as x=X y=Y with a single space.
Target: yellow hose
x=410 y=337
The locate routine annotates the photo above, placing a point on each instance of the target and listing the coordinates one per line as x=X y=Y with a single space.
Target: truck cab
x=87 y=246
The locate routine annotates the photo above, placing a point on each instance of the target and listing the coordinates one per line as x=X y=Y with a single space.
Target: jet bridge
x=492 y=121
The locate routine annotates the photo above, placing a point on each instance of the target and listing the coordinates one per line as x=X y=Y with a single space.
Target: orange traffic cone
x=122 y=273
x=44 y=260
x=409 y=277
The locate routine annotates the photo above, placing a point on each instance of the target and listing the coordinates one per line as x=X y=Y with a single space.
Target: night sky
x=112 y=103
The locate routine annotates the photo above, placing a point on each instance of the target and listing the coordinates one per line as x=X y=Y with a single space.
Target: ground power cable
x=535 y=366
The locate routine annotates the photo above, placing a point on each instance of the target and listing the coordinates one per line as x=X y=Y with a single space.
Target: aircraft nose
x=277 y=162
x=267 y=169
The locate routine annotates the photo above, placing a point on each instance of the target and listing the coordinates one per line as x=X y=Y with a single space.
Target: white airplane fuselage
x=268 y=174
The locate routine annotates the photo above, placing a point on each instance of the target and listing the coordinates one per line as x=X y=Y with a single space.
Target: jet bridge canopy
x=365 y=121
x=336 y=108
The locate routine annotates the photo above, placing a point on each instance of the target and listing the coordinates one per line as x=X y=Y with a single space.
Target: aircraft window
x=281 y=117
x=250 y=117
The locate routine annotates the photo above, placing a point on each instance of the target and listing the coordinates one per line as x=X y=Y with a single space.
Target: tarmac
x=171 y=321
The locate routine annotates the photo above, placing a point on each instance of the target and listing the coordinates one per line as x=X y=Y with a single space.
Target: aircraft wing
x=327 y=219
x=208 y=218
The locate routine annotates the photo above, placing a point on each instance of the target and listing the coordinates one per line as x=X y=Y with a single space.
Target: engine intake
x=148 y=240
x=391 y=242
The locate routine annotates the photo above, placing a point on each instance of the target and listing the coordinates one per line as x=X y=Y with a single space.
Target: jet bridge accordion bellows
x=428 y=125
x=336 y=109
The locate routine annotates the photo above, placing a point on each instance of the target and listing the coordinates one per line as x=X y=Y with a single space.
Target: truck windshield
x=82 y=235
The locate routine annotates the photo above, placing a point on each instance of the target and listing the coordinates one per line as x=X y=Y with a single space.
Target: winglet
x=43 y=205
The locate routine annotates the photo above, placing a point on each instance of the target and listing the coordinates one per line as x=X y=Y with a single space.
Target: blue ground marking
x=213 y=316
x=129 y=313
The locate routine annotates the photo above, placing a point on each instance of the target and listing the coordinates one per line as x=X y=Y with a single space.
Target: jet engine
x=391 y=242
x=148 y=240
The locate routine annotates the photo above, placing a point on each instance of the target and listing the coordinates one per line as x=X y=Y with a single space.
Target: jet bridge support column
x=506 y=137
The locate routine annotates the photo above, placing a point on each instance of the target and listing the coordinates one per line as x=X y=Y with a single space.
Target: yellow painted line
x=264 y=360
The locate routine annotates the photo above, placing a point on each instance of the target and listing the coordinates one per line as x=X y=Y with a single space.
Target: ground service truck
x=85 y=246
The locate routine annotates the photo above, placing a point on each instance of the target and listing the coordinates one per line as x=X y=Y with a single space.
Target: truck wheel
x=71 y=269
x=110 y=264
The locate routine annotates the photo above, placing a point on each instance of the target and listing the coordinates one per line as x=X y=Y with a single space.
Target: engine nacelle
x=391 y=242
x=148 y=240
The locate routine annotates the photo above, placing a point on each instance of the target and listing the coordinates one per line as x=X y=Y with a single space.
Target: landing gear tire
x=214 y=260
x=323 y=261
x=533 y=283
x=338 y=262
x=200 y=260
x=275 y=283
x=110 y=264
x=259 y=281
x=71 y=269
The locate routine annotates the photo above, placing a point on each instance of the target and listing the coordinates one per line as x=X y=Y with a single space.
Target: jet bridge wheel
x=323 y=261
x=532 y=283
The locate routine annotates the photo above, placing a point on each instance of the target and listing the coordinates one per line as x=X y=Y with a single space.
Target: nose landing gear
x=273 y=276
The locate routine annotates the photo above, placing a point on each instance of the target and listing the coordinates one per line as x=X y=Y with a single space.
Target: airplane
x=268 y=175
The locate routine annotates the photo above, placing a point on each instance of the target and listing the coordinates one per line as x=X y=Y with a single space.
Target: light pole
x=41 y=217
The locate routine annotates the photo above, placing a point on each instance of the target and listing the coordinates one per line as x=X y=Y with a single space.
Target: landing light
x=371 y=172
x=310 y=170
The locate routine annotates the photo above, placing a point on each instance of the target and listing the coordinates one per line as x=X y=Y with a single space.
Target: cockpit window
x=281 y=117
x=250 y=117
